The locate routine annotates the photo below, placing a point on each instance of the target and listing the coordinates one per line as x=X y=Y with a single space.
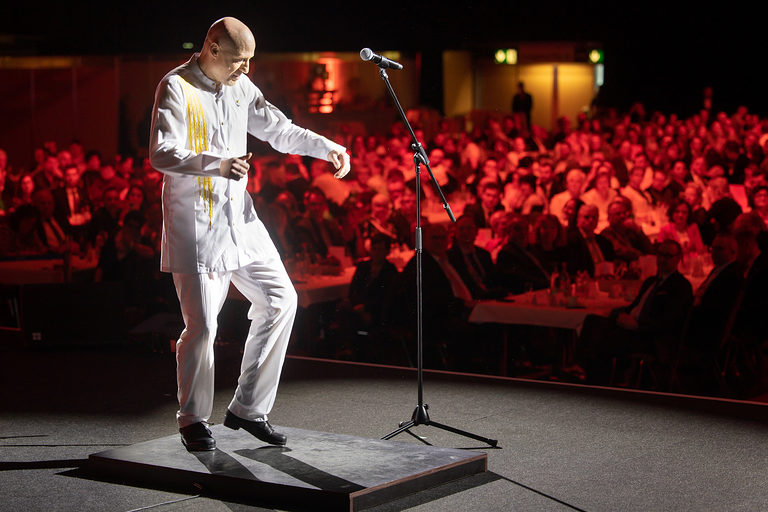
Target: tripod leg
x=491 y=442
x=405 y=426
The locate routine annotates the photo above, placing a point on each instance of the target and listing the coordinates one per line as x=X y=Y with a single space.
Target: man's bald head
x=232 y=34
x=229 y=45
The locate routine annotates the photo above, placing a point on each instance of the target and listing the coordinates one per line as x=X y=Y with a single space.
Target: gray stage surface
x=562 y=447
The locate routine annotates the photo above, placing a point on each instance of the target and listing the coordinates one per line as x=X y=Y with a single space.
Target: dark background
x=660 y=53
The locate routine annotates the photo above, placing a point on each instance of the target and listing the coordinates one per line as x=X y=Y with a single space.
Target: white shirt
x=209 y=223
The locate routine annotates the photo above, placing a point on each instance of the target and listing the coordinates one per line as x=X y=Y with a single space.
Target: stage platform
x=563 y=447
x=316 y=470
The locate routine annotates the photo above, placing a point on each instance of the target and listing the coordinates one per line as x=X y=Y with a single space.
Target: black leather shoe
x=197 y=438
x=260 y=429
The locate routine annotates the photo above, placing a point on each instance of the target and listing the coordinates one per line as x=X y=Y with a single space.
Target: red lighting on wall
x=323 y=95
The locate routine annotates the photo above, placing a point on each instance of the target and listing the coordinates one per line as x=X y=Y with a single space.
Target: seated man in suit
x=474 y=264
x=54 y=231
x=628 y=240
x=518 y=268
x=587 y=250
x=650 y=324
x=751 y=324
x=446 y=301
x=713 y=304
x=316 y=231
x=489 y=200
x=717 y=294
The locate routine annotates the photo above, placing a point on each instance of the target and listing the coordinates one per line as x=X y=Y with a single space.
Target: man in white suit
x=203 y=111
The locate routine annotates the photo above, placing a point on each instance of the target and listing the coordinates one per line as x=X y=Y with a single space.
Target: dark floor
x=563 y=447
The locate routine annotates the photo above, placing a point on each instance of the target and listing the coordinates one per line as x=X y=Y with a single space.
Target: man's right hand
x=235 y=168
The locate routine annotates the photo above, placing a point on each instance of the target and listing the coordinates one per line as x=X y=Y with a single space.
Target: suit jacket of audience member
x=61 y=221
x=456 y=258
x=477 y=213
x=578 y=256
x=551 y=259
x=713 y=307
x=61 y=201
x=438 y=302
x=752 y=319
x=665 y=310
x=517 y=268
x=375 y=293
x=309 y=232
x=628 y=243
x=396 y=228
x=406 y=225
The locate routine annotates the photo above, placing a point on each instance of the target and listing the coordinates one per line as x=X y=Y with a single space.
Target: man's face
x=380 y=207
x=316 y=206
x=723 y=250
x=408 y=201
x=667 y=258
x=27 y=184
x=491 y=168
x=679 y=172
x=44 y=203
x=659 y=180
x=466 y=231
x=489 y=197
x=51 y=164
x=636 y=176
x=617 y=214
x=65 y=158
x=573 y=183
x=436 y=240
x=93 y=163
x=230 y=62
x=761 y=199
x=112 y=201
x=545 y=173
x=378 y=251
x=587 y=219
x=71 y=177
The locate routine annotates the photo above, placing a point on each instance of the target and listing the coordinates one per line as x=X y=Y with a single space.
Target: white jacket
x=209 y=223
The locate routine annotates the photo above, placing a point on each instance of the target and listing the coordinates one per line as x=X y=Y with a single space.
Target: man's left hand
x=340 y=161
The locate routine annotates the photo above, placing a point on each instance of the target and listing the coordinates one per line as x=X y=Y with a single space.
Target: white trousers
x=273 y=308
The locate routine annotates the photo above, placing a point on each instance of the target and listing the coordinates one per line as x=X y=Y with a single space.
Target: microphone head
x=366 y=54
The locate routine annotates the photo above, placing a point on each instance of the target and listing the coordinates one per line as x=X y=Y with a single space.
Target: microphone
x=379 y=60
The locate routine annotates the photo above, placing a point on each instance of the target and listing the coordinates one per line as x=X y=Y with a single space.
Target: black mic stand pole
x=420 y=415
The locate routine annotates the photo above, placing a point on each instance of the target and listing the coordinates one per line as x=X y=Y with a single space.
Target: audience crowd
x=590 y=199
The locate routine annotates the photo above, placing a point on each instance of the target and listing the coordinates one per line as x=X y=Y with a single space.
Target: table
x=314 y=289
x=533 y=308
x=41 y=271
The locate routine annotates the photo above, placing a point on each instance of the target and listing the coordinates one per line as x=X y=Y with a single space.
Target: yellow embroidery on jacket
x=197 y=129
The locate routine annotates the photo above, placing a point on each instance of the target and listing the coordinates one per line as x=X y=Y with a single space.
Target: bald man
x=203 y=112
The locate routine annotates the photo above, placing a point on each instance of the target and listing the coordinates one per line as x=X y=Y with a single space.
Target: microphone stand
x=420 y=415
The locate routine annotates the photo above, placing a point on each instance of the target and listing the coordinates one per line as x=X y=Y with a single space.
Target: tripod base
x=421 y=417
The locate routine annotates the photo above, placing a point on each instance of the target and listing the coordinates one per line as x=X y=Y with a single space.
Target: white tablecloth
x=533 y=309
x=314 y=289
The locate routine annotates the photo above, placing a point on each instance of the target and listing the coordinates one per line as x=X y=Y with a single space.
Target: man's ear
x=215 y=49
